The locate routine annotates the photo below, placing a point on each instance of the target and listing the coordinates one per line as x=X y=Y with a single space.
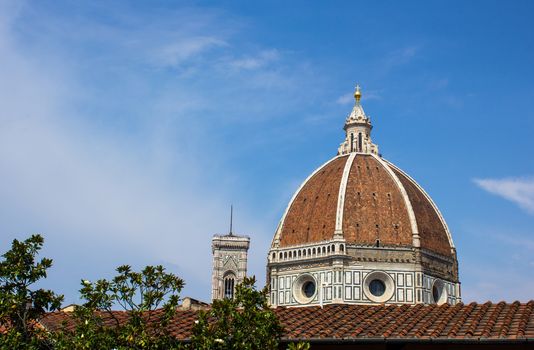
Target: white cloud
x=96 y=196
x=517 y=190
x=179 y=51
x=345 y=99
x=398 y=57
x=254 y=62
x=113 y=160
x=477 y=244
x=102 y=196
x=403 y=55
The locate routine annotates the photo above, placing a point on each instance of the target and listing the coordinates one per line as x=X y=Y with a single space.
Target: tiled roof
x=460 y=321
x=312 y=215
x=352 y=323
x=374 y=207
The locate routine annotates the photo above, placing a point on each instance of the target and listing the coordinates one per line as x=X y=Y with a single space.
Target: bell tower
x=230 y=253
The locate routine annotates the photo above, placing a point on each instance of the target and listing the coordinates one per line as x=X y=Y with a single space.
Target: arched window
x=324 y=250
x=360 y=142
x=290 y=254
x=313 y=251
x=333 y=248
x=309 y=251
x=351 y=142
x=281 y=255
x=328 y=250
x=342 y=248
x=229 y=285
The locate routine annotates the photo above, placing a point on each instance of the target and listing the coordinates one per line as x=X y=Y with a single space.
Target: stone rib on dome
x=374 y=206
x=380 y=203
x=433 y=230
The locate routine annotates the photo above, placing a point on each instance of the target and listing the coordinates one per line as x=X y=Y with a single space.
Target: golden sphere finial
x=357 y=93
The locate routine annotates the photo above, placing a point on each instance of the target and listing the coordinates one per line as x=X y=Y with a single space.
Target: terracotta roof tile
x=472 y=322
x=374 y=208
x=312 y=215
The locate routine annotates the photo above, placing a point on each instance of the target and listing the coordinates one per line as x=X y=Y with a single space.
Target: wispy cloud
x=404 y=55
x=517 y=190
x=181 y=50
x=116 y=154
x=478 y=243
x=399 y=57
x=99 y=196
x=345 y=99
x=254 y=62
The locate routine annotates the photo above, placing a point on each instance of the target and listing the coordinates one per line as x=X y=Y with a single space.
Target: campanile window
x=229 y=284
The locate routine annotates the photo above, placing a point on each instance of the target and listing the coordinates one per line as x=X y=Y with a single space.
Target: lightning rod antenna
x=231 y=218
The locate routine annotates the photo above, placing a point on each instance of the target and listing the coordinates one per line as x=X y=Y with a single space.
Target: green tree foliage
x=299 y=346
x=245 y=322
x=21 y=305
x=148 y=300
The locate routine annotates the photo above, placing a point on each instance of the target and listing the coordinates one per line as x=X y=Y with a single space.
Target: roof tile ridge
x=378 y=323
x=462 y=317
x=370 y=312
x=361 y=310
x=360 y=317
x=492 y=320
x=396 y=315
x=476 y=318
x=526 y=315
x=512 y=309
x=431 y=319
x=306 y=318
x=324 y=330
x=418 y=312
x=296 y=322
x=340 y=316
x=451 y=312
x=404 y=316
x=382 y=317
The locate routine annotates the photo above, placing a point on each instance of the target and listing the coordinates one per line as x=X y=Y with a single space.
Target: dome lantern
x=358 y=130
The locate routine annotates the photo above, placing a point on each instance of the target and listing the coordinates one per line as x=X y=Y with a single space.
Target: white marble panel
x=409 y=280
x=348 y=277
x=348 y=293
x=400 y=279
x=409 y=295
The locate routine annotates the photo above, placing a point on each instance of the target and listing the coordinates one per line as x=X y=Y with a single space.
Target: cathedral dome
x=363 y=199
x=359 y=230
x=367 y=201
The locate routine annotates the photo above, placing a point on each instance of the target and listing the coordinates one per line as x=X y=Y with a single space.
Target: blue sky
x=128 y=128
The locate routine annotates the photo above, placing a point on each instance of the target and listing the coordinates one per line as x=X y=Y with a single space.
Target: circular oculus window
x=304 y=289
x=308 y=289
x=439 y=292
x=378 y=286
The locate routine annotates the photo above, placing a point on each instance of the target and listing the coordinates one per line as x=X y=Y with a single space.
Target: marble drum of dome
x=359 y=230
